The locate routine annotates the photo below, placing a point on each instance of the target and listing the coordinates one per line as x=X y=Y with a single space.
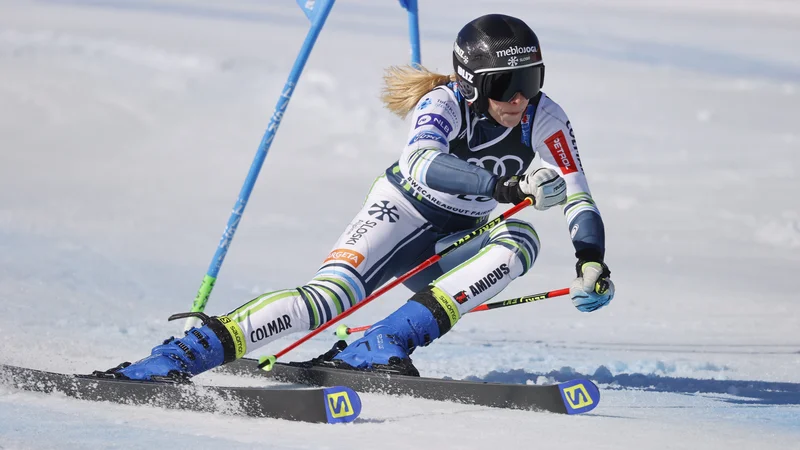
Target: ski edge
x=339 y=404
x=572 y=397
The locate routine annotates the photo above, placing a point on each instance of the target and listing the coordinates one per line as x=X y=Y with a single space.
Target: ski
x=330 y=405
x=571 y=397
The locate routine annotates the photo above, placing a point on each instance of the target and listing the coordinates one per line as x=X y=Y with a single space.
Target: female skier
x=473 y=137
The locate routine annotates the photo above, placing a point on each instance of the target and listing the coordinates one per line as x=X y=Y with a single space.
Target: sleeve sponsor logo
x=428 y=136
x=559 y=148
x=436 y=120
x=425 y=103
x=448 y=106
x=575 y=146
x=348 y=256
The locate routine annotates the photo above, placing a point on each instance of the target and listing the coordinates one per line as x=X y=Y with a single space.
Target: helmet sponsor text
x=516 y=50
x=461 y=53
x=464 y=74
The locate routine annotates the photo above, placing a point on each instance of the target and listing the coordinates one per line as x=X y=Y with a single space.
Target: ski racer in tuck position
x=473 y=137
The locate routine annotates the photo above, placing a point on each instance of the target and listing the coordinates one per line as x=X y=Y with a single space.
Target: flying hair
x=406 y=85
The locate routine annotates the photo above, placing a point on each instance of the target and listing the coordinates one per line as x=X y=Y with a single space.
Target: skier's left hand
x=593 y=288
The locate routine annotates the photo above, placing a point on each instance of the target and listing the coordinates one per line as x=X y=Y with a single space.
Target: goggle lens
x=503 y=86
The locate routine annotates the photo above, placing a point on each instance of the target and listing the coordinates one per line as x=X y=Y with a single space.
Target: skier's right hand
x=544 y=185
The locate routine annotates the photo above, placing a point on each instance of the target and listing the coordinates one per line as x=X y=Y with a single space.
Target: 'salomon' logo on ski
x=489 y=280
x=384 y=210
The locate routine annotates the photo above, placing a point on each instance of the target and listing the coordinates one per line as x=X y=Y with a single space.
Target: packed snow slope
x=128 y=126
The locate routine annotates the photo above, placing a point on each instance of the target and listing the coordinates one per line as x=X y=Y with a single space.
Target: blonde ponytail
x=406 y=85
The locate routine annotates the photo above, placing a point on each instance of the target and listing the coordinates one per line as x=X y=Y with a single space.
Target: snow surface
x=127 y=127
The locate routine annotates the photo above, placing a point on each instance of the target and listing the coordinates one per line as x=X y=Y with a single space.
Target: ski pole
x=267 y=362
x=342 y=331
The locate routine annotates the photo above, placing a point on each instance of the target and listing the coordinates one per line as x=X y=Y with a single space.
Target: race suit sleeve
x=436 y=121
x=554 y=140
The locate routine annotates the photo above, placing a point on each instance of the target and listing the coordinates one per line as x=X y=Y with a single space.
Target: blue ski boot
x=386 y=346
x=176 y=360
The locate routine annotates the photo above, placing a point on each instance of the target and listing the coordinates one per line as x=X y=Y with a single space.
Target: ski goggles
x=503 y=86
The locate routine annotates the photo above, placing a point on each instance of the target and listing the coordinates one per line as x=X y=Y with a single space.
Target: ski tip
x=579 y=396
x=342 y=404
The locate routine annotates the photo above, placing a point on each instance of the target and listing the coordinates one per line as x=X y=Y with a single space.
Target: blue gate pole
x=413 y=30
x=321 y=9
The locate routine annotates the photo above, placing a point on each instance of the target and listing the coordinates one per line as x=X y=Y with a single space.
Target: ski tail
x=342 y=404
x=579 y=396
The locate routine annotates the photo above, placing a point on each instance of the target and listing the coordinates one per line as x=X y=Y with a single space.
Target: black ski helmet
x=495 y=56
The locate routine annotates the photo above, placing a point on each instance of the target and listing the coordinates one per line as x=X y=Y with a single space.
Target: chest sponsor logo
x=418 y=189
x=559 y=148
x=276 y=326
x=474 y=198
x=489 y=280
x=358 y=230
x=464 y=74
x=502 y=166
x=436 y=120
x=351 y=257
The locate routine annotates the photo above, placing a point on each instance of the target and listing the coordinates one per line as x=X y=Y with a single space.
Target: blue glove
x=593 y=288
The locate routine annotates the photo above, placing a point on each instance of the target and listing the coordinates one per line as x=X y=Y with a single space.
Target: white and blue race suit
x=438 y=191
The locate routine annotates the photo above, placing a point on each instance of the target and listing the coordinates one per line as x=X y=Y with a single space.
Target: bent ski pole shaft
x=343 y=331
x=200 y=300
x=267 y=362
